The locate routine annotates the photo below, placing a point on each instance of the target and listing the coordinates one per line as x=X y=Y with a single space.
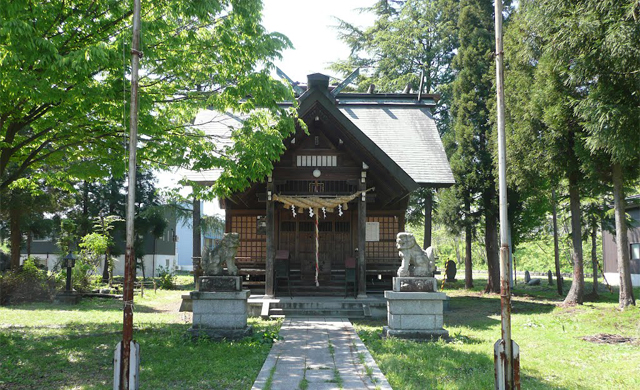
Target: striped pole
x=317 y=249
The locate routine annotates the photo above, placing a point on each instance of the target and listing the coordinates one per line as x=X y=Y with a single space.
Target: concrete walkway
x=319 y=354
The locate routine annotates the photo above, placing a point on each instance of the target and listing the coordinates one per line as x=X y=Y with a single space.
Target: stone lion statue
x=213 y=259
x=415 y=261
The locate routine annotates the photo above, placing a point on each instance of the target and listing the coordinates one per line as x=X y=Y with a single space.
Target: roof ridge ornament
x=293 y=84
x=346 y=82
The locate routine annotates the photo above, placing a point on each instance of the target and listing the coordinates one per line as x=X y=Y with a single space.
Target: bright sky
x=310 y=27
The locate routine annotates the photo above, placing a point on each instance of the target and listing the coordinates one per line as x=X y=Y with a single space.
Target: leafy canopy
x=64 y=89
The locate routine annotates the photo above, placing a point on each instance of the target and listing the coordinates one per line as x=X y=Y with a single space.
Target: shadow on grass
x=436 y=365
x=87 y=304
x=169 y=360
x=483 y=312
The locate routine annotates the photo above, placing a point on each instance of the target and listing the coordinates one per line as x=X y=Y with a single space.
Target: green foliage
x=94 y=245
x=65 y=83
x=83 y=275
x=67 y=236
x=407 y=39
x=600 y=38
x=468 y=145
x=166 y=278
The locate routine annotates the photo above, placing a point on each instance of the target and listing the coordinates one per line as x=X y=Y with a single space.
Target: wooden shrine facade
x=372 y=149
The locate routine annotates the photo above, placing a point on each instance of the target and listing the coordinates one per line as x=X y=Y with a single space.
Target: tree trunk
x=468 y=265
x=85 y=209
x=105 y=270
x=594 y=255
x=556 y=249
x=16 y=237
x=576 y=292
x=29 y=239
x=491 y=247
x=626 y=297
x=491 y=239
x=428 y=205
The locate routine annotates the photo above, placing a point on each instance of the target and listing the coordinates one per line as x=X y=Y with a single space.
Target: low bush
x=28 y=284
x=166 y=278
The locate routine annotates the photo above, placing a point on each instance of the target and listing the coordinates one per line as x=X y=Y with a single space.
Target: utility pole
x=129 y=267
x=506 y=354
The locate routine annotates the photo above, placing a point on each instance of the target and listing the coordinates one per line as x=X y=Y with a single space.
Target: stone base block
x=415 y=284
x=68 y=298
x=414 y=334
x=415 y=315
x=220 y=333
x=220 y=283
x=220 y=309
x=219 y=295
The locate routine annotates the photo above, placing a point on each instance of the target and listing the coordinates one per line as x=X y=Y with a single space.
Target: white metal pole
x=129 y=268
x=505 y=290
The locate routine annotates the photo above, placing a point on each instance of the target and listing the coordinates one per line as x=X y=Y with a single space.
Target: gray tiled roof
x=408 y=135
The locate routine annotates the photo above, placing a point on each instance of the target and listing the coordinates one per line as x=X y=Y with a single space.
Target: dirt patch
x=605 y=338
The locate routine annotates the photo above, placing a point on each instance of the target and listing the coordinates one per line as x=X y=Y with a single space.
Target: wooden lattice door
x=297 y=235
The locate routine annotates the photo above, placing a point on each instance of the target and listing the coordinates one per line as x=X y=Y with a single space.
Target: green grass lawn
x=553 y=354
x=46 y=346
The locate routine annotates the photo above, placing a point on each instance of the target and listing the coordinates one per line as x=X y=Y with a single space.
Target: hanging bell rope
x=324 y=204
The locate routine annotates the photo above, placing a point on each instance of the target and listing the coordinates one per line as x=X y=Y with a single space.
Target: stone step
x=316 y=305
x=325 y=313
x=317 y=309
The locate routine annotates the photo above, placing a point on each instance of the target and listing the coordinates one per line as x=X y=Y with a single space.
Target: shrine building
x=325 y=221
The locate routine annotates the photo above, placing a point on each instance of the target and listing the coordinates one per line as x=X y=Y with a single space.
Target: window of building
x=635 y=251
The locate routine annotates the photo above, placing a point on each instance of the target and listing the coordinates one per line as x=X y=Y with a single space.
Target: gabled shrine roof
x=408 y=135
x=399 y=130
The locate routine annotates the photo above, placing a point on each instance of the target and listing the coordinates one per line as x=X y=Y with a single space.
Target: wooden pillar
x=227 y=216
x=271 y=244
x=197 y=243
x=428 y=206
x=362 y=236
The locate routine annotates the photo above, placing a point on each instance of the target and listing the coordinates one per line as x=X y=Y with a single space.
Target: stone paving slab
x=324 y=353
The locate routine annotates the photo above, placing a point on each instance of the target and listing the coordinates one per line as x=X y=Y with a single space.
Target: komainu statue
x=225 y=252
x=415 y=261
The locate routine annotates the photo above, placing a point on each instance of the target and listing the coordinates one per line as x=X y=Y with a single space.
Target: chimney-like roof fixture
x=318 y=80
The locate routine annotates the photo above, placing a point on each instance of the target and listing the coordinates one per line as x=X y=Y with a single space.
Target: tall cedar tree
x=545 y=138
x=408 y=39
x=470 y=149
x=573 y=75
x=599 y=39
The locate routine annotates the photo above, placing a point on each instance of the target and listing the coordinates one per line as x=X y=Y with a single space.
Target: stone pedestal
x=415 y=284
x=220 y=283
x=220 y=308
x=415 y=314
x=68 y=297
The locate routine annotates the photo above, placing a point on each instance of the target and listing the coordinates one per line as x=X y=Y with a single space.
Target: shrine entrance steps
x=373 y=306
x=318 y=353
